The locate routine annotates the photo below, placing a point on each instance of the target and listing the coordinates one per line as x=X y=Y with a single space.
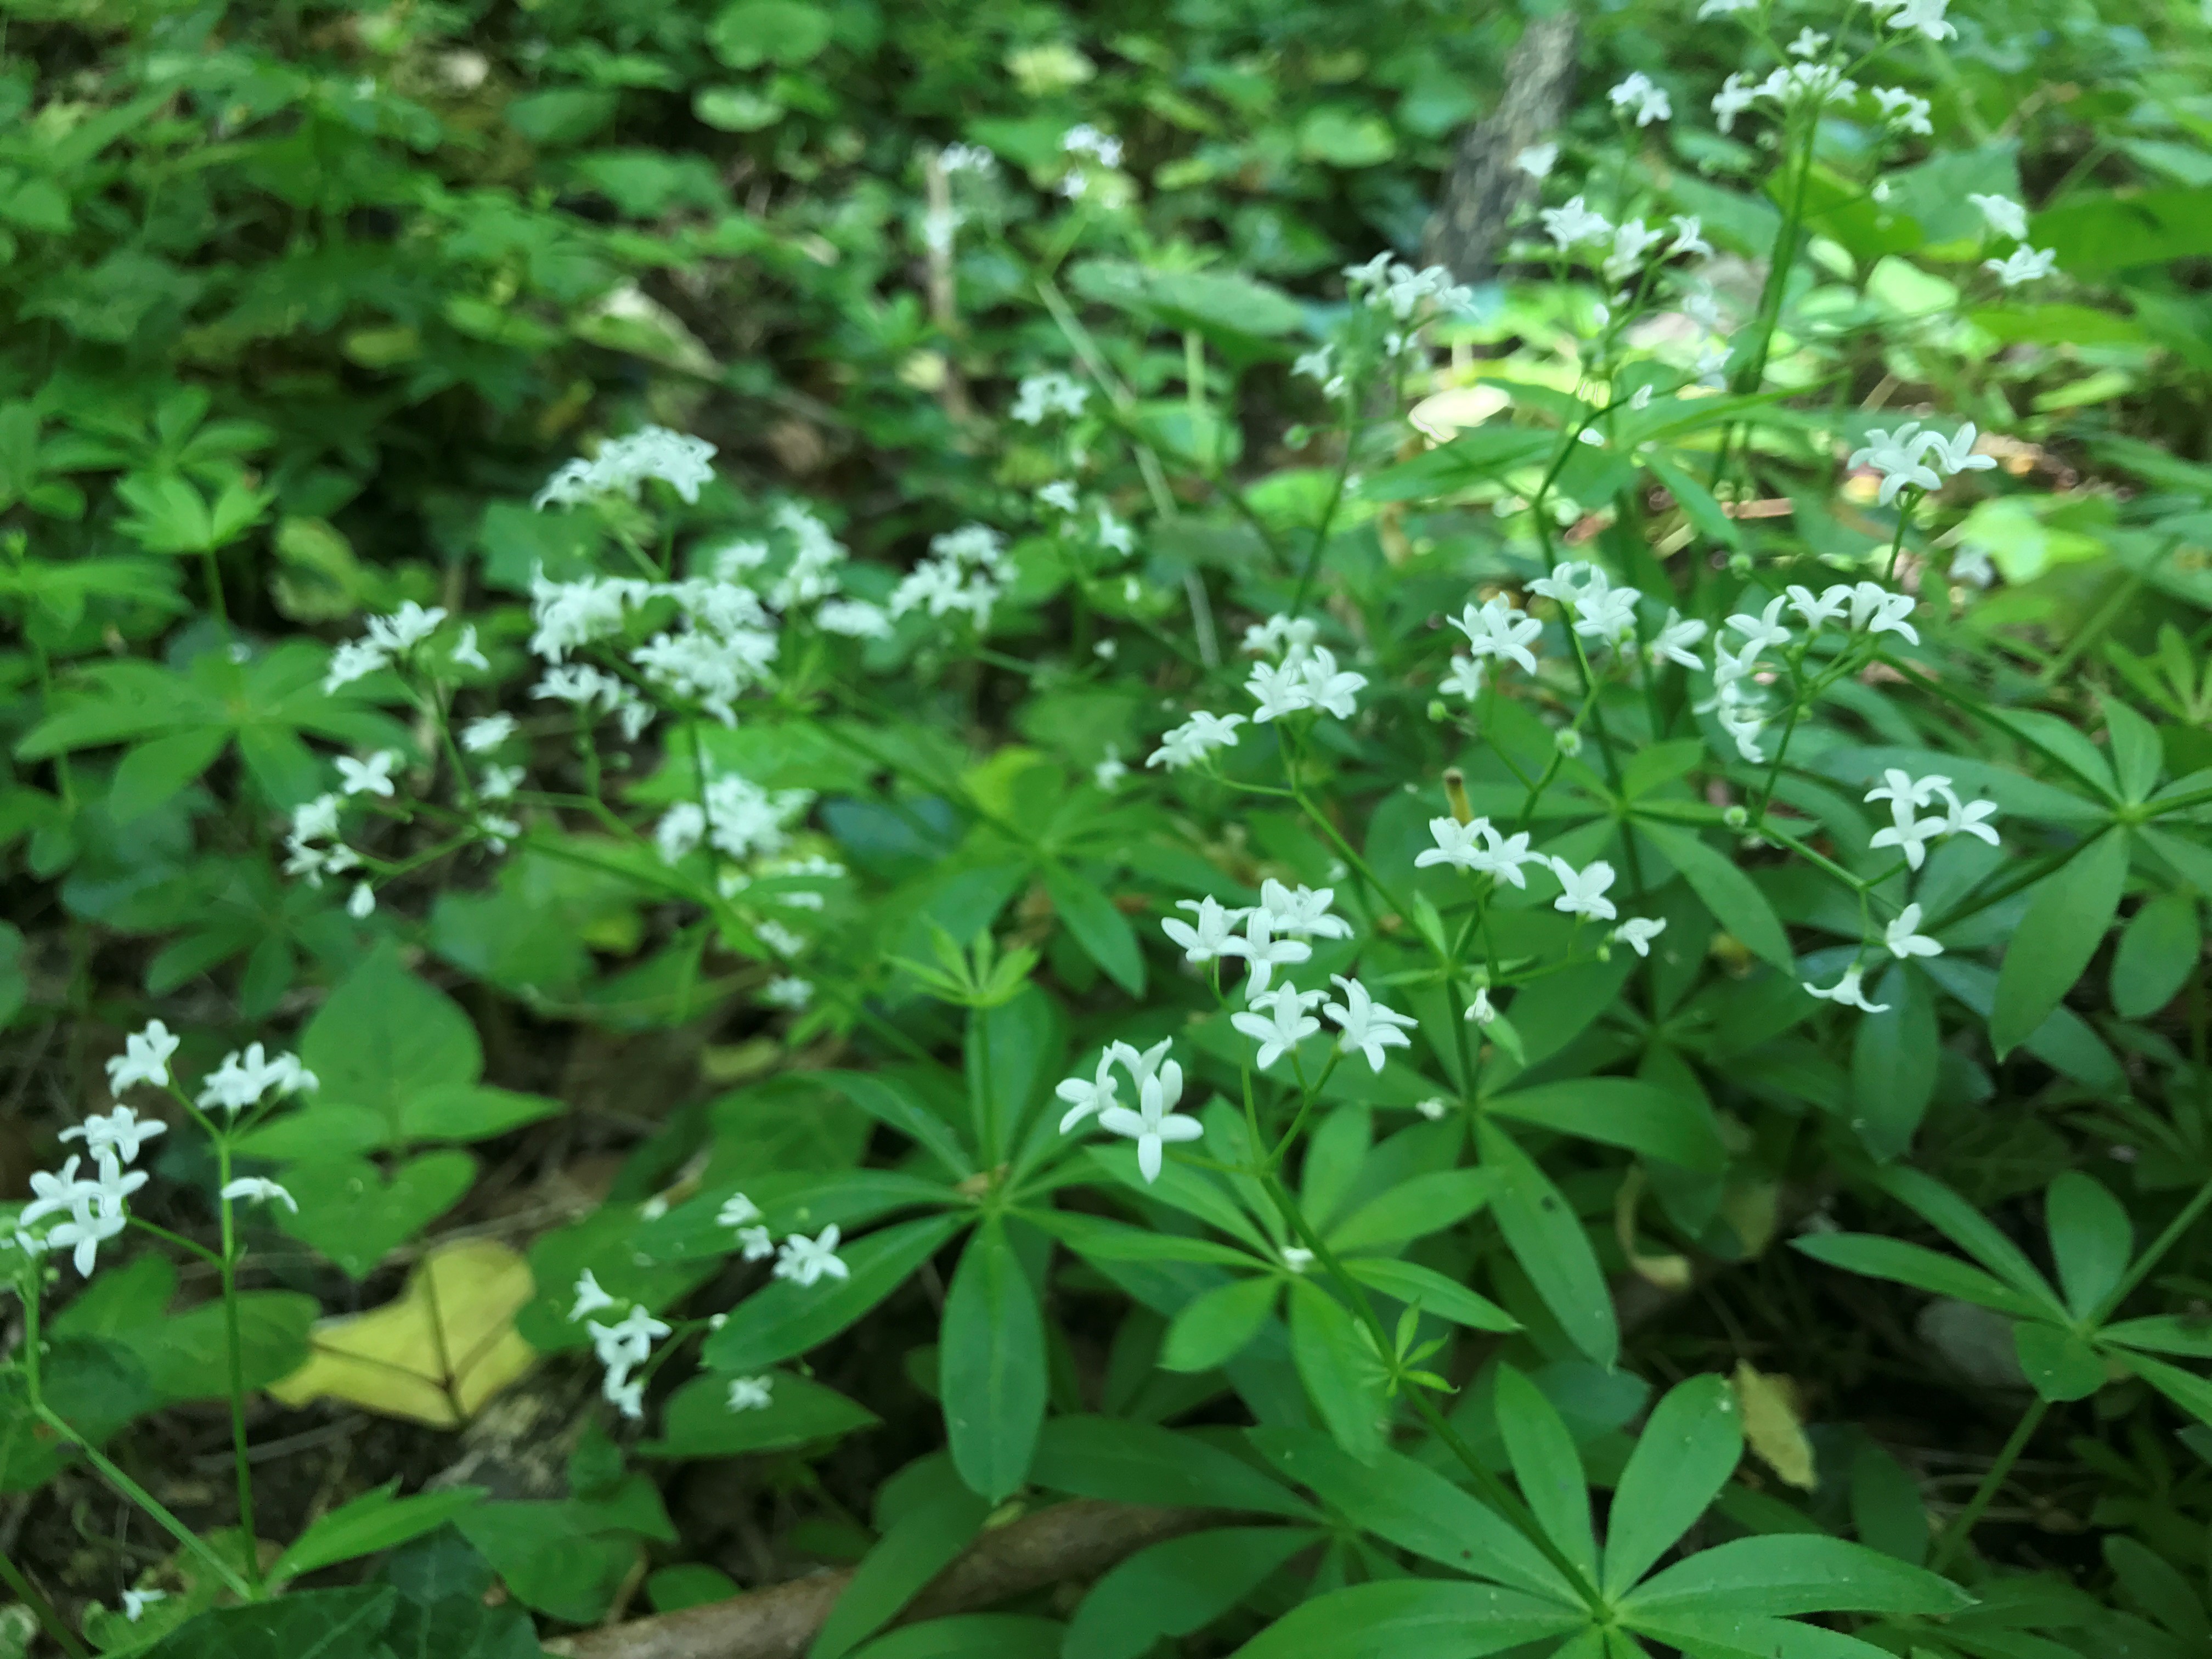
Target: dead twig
x=1073 y=1541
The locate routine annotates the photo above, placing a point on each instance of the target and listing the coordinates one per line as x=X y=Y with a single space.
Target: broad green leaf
x=2192 y=1393
x=1547 y=1239
x=970 y=1636
x=1192 y=1191
x=1411 y=1506
x=1925 y=1269
x=1886 y=1506
x=330 y=1624
x=1894 y=1056
x=1547 y=1467
x=2059 y=1365
x=991 y=1364
x=1115 y=1241
x=1971 y=1231
x=1414 y=1209
x=558 y=1558
x=2091 y=1239
x=1411 y=1619
x=1446 y=1298
x=1342 y=1374
x=1103 y=932
x=2062 y=742
x=2181 y=1334
x=154 y=772
x=1128 y=1462
x=1689 y=1447
x=2052 y=947
x=2137 y=755
x=460 y=1627
x=1480 y=454
x=892 y=1104
x=919 y=1546
x=1732 y=896
x=1785 y=1573
x=698 y=1422
x=2160 y=944
x=2159 y=1589
x=1215 y=1326
x=1708 y=1633
x=781 y=1319
x=385 y=1036
x=186 y=1357
x=377 y=1520
x=1177 y=1587
x=1619 y=1111
x=355 y=1215
x=470 y=1111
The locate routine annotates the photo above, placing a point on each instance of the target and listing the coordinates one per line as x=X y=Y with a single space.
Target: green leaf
x=1475 y=456
x=561 y=115
x=2137 y=755
x=460 y=1627
x=913 y=1550
x=375 y=1521
x=2182 y=1333
x=2091 y=1239
x=781 y=1319
x=1547 y=1239
x=1973 y=1232
x=155 y=772
x=754 y=31
x=1706 y=1633
x=1342 y=1374
x=1904 y=1263
x=1411 y=1619
x=970 y=1636
x=470 y=1111
x=1127 y=1462
x=1414 y=1209
x=1886 y=1505
x=1214 y=1326
x=1894 y=1056
x=385 y=1036
x=186 y=1357
x=1102 y=1240
x=1177 y=1587
x=332 y=1624
x=1662 y=1123
x=355 y=1216
x=1547 y=1467
x=2052 y=947
x=1732 y=896
x=2059 y=1365
x=1411 y=1506
x=1689 y=1447
x=1784 y=1573
x=1103 y=932
x=893 y=1103
x=1192 y=1191
x=2062 y=742
x=2192 y=1393
x=991 y=1364
x=697 y=1421
x=2160 y=944
x=1447 y=1298
x=559 y=1558
x=1696 y=502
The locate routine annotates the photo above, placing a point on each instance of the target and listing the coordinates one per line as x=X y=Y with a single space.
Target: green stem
x=2150 y=1258
x=50 y=1620
x=1962 y=1524
x=235 y=1356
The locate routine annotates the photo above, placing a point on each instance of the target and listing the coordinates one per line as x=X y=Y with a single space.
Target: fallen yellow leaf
x=436 y=1352
x=1774 y=1425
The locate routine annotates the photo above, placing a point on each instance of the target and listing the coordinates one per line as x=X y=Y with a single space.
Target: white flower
x=1905 y=111
x=1113 y=534
x=1609 y=616
x=246 y=1076
x=1479 y=1010
x=1298 y=1258
x=1820 y=608
x=1086 y=140
x=1284 y=1025
x=1923 y=16
x=136 y=1602
x=1155 y=1122
x=757 y=1244
x=1954 y=454
x=1465 y=679
x=1302 y=912
x=1196 y=738
x=1499 y=630
x=628 y=1342
x=1969 y=564
x=1279 y=690
x=1096 y=1096
x=1910 y=835
x=1369 y=1027
x=316 y=820
x=1537 y=160
x=144 y=1059
x=1266 y=953
x=1211 y=936
x=1901 y=788
x=1736 y=95
x=1329 y=689
x=405 y=627
x=590 y=1297
x=1689 y=239
x=1722 y=8
x=625 y=1396
x=737 y=1210
x=1966 y=818
x=2024 y=264
x=362 y=903
x=788 y=991
x=255 y=1189
x=853 y=619
x=1433 y=1108
x=1763 y=630
x=623 y=464
x=1637 y=933
x=482 y=736
x=1897 y=457
x=1060 y=496
x=1808 y=44
x=88 y=1229
x=1049 y=393
x=1583 y=893
x=1846 y=991
x=55 y=1193
x=372 y=776
x=749 y=1393
x=120 y=1132
x=1110 y=770
x=1649 y=99
x=1877 y=611
x=804 y=1261
x=1905 y=938
x=1675 y=639
x=1291 y=636
x=1575 y=224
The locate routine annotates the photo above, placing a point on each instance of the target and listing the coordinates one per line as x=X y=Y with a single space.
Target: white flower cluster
x=1477 y=848
x=316 y=821
x=1862 y=606
x=1498 y=628
x=1386 y=283
x=2006 y=217
x=1576 y=224
x=738 y=817
x=248 y=1076
x=95 y=1204
x=1904 y=457
x=1084 y=139
x=966 y=570
x=1601 y=611
x=393 y=637
x=1792 y=86
x=805 y=1262
x=1638 y=93
x=622 y=1346
x=1909 y=832
x=1050 y=393
x=677 y=459
x=1154 y=1122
